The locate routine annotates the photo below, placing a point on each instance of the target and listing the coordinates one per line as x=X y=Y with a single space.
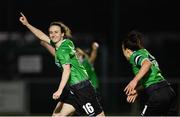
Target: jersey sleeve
x=138 y=59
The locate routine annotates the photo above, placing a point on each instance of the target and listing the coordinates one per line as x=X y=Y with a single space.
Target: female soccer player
x=86 y=60
x=160 y=96
x=82 y=95
x=88 y=63
x=62 y=99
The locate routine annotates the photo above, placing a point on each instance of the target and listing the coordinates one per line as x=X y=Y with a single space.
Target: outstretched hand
x=23 y=19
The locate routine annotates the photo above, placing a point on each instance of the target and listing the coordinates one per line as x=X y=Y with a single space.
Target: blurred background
x=28 y=75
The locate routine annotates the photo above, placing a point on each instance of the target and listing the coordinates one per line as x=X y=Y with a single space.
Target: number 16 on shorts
x=88 y=108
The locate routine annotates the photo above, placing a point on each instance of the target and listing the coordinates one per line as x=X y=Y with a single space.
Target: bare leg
x=101 y=114
x=63 y=109
x=58 y=108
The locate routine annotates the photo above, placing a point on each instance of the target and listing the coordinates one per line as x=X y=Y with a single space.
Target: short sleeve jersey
x=91 y=72
x=65 y=54
x=154 y=74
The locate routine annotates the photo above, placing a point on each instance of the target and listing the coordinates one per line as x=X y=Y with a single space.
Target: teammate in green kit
x=160 y=96
x=82 y=95
x=88 y=63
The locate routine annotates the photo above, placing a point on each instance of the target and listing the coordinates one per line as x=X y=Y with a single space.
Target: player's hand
x=23 y=19
x=95 y=45
x=131 y=98
x=133 y=92
x=130 y=87
x=56 y=95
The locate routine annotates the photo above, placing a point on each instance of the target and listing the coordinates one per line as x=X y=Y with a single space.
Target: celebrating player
x=160 y=96
x=82 y=95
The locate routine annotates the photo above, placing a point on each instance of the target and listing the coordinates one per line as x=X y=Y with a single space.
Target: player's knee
x=101 y=114
x=58 y=115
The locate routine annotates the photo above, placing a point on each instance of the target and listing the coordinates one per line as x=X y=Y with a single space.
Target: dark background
x=104 y=21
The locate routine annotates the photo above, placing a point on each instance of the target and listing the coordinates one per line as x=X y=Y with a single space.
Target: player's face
x=126 y=53
x=55 y=33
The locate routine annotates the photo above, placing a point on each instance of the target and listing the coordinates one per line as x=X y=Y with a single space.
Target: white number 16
x=88 y=108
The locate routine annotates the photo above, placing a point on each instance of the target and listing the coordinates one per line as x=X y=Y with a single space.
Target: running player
x=66 y=90
x=82 y=94
x=160 y=96
x=88 y=62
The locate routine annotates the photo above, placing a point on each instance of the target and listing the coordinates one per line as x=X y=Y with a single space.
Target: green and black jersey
x=91 y=72
x=154 y=74
x=65 y=54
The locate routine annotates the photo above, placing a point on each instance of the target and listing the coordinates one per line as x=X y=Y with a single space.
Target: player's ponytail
x=133 y=41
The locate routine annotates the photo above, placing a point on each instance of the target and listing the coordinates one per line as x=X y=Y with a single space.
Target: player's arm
x=145 y=66
x=65 y=76
x=82 y=52
x=93 y=54
x=38 y=33
x=64 y=79
x=50 y=48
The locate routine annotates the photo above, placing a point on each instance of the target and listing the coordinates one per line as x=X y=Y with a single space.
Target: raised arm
x=50 y=48
x=38 y=33
x=93 y=54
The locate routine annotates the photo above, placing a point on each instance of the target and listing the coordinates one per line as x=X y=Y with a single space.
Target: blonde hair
x=64 y=28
